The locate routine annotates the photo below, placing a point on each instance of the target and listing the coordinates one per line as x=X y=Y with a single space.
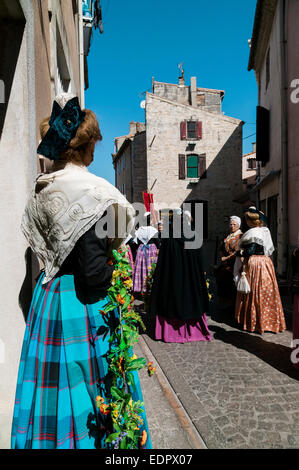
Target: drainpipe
x=131 y=172
x=81 y=53
x=257 y=196
x=284 y=137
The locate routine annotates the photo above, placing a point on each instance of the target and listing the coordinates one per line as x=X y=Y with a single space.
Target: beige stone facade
x=129 y=162
x=219 y=144
x=274 y=58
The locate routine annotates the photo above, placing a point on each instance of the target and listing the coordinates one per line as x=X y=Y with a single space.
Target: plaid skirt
x=145 y=257
x=63 y=368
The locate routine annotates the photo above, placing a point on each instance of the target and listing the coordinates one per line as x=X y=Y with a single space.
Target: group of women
x=64 y=366
x=260 y=308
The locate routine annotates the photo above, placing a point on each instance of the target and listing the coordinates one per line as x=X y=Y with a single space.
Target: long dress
x=63 y=365
x=260 y=310
x=147 y=254
x=226 y=288
x=179 y=297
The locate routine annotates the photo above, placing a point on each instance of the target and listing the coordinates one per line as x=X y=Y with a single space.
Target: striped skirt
x=145 y=257
x=63 y=368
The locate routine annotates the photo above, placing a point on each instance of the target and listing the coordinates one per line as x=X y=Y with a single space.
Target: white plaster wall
x=17 y=169
x=270 y=98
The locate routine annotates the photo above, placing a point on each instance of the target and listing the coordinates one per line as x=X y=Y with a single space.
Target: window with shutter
x=182 y=167
x=262 y=134
x=191 y=129
x=251 y=164
x=192 y=166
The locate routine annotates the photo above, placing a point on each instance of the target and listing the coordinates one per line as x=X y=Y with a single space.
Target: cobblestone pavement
x=240 y=390
x=164 y=425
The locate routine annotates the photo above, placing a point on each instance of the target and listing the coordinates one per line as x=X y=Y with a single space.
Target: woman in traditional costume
x=63 y=367
x=146 y=237
x=295 y=292
x=261 y=309
x=226 y=288
x=179 y=298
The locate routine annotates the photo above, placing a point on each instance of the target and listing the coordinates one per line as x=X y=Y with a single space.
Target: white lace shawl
x=260 y=235
x=72 y=200
x=144 y=234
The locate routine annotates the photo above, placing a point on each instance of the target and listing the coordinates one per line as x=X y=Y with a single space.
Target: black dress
x=88 y=263
x=179 y=298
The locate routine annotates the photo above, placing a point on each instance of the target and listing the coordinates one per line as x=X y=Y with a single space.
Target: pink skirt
x=260 y=310
x=172 y=330
x=296 y=332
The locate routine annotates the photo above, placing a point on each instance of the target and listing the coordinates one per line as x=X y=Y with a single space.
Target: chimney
x=193 y=90
x=132 y=125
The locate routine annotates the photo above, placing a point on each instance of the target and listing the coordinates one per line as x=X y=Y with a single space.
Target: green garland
x=124 y=411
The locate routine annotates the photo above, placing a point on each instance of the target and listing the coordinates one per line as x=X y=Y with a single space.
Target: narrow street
x=239 y=391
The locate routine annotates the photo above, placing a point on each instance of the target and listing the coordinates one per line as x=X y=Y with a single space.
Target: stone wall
x=221 y=142
x=139 y=172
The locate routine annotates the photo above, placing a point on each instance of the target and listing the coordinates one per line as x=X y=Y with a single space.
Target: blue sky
x=147 y=38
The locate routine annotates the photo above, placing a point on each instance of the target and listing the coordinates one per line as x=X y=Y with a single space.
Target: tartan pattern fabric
x=63 y=368
x=145 y=257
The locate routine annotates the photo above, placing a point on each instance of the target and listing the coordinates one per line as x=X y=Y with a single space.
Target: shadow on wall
x=12 y=26
x=221 y=184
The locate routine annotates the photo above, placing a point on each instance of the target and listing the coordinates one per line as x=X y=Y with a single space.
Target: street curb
x=195 y=439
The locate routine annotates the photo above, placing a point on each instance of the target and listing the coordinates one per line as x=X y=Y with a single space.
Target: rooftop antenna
x=181 y=77
x=180 y=67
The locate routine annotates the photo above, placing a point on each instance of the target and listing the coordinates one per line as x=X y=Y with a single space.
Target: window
x=262 y=135
x=192 y=166
x=63 y=78
x=191 y=130
x=251 y=164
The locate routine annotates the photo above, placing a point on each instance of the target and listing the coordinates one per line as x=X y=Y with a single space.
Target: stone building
x=274 y=58
x=42 y=53
x=129 y=162
x=193 y=153
x=249 y=167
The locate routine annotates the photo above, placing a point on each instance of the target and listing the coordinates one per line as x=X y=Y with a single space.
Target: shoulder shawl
x=62 y=207
x=259 y=235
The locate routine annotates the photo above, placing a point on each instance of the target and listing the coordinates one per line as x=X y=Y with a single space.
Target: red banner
x=148 y=199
